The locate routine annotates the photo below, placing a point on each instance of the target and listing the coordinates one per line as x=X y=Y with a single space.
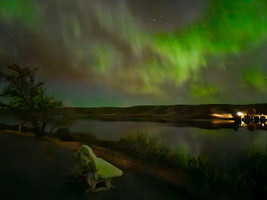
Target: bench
x=97 y=171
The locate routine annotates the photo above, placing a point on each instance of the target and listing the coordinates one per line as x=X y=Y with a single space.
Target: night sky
x=139 y=52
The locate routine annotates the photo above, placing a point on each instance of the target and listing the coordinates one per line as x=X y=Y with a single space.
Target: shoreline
x=117 y=158
x=182 y=172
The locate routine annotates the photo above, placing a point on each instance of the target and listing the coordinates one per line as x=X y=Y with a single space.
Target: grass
x=144 y=148
x=247 y=178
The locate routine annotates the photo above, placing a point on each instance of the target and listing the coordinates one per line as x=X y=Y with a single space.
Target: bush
x=143 y=147
x=85 y=138
x=3 y=126
x=64 y=134
x=250 y=174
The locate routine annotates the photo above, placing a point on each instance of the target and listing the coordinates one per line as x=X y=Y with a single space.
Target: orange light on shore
x=239 y=114
x=222 y=116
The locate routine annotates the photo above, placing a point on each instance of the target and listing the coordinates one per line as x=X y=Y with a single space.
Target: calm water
x=186 y=139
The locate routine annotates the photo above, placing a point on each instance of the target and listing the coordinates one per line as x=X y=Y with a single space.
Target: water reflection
x=251 y=122
x=210 y=137
x=234 y=124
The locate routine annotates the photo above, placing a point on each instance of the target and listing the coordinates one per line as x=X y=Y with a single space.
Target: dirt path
x=36 y=169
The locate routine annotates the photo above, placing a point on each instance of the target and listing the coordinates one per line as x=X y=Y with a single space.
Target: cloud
x=164 y=52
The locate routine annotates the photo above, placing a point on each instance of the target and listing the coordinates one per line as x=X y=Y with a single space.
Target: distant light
x=239 y=114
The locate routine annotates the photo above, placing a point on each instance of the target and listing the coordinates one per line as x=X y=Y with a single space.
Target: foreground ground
x=39 y=169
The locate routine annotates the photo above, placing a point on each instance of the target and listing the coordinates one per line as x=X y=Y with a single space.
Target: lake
x=183 y=138
x=186 y=139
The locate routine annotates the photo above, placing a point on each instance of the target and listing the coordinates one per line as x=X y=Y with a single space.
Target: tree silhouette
x=25 y=97
x=251 y=111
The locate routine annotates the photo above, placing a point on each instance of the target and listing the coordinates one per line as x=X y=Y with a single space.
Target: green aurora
x=216 y=58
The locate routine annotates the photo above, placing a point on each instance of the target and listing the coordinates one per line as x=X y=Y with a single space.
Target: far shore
x=162 y=113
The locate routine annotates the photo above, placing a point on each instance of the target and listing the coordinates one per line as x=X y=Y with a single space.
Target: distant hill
x=161 y=113
x=167 y=113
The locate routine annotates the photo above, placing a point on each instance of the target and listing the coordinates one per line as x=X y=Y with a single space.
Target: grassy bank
x=242 y=176
x=246 y=176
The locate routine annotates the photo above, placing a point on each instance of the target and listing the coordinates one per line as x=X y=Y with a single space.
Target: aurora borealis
x=132 y=52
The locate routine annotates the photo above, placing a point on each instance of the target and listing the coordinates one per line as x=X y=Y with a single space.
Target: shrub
x=143 y=147
x=64 y=134
x=250 y=174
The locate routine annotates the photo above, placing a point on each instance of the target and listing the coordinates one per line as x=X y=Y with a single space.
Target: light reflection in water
x=212 y=138
x=180 y=137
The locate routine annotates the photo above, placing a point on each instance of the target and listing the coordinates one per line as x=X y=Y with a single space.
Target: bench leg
x=108 y=183
x=92 y=183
